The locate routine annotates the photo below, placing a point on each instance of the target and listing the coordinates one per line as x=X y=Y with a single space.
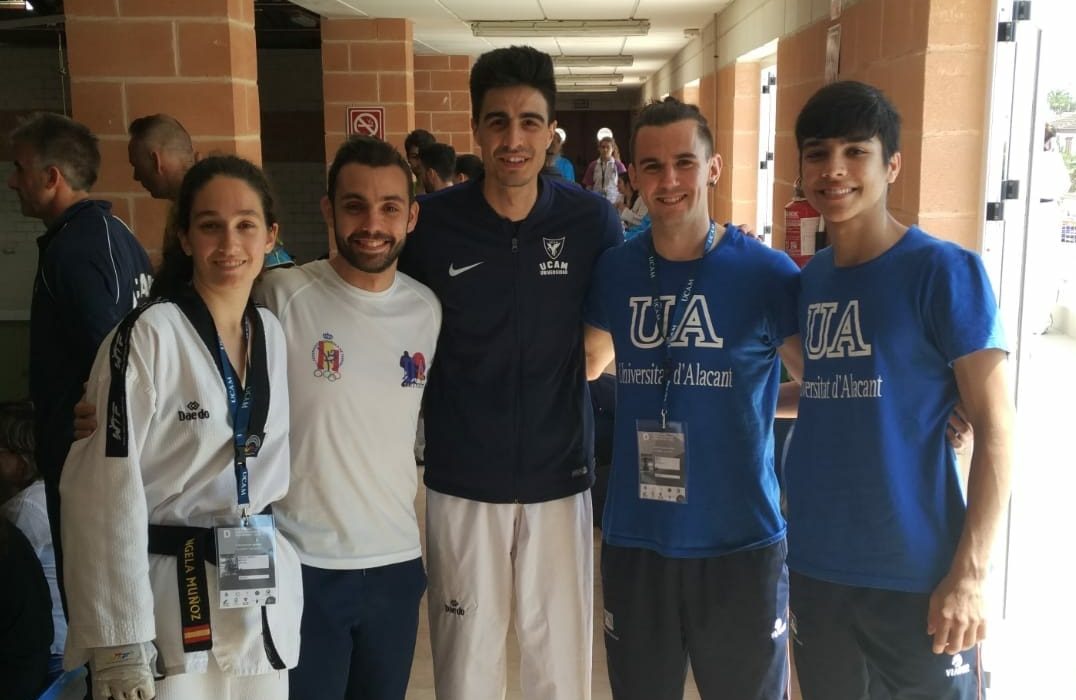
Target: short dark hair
x=669 y=111
x=63 y=143
x=17 y=434
x=852 y=111
x=370 y=151
x=177 y=269
x=470 y=165
x=419 y=138
x=161 y=130
x=515 y=65
x=440 y=158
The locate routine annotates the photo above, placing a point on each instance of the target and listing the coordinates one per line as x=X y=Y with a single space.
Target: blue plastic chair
x=69 y=686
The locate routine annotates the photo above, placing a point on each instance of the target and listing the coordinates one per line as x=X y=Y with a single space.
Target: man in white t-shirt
x=361 y=338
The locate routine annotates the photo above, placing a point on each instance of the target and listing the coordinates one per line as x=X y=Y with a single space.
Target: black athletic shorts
x=728 y=614
x=854 y=643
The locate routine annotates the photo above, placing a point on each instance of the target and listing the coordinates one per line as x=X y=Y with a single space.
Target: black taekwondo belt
x=193 y=547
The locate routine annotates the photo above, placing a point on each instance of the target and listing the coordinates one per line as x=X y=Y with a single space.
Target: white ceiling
x=442 y=27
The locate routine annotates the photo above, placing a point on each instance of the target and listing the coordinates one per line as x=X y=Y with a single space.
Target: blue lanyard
x=239 y=411
x=679 y=308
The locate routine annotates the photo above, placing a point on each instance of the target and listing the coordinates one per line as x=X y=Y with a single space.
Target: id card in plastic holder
x=246 y=563
x=662 y=461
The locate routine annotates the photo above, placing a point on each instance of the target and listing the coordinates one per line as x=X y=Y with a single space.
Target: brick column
x=708 y=106
x=192 y=59
x=443 y=99
x=930 y=58
x=367 y=62
x=736 y=135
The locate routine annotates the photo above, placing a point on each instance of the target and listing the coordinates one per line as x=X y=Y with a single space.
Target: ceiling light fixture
x=592 y=61
x=587 y=88
x=590 y=79
x=561 y=27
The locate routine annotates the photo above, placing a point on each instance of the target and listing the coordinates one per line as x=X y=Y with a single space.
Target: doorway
x=1025 y=249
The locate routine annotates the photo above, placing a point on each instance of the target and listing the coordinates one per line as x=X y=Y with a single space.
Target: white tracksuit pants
x=483 y=556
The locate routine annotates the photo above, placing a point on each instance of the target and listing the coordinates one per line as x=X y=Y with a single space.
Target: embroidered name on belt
x=194 y=596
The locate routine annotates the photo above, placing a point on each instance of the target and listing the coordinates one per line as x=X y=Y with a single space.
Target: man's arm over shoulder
x=788 y=397
x=597 y=338
x=276 y=287
x=599 y=349
x=956 y=617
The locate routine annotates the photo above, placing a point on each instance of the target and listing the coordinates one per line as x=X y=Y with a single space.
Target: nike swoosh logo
x=454 y=271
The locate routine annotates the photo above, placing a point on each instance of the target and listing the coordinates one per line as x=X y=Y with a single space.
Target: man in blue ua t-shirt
x=887 y=561
x=693 y=558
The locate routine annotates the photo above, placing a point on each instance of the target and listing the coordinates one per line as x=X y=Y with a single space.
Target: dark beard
x=367 y=263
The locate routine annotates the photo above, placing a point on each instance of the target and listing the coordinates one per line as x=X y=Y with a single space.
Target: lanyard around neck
x=678 y=310
x=239 y=412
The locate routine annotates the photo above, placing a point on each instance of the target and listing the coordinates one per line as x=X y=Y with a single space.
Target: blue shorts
x=853 y=643
x=358 y=632
x=728 y=614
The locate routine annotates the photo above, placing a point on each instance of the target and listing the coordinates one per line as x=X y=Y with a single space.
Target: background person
x=437 y=167
x=91 y=271
x=22 y=501
x=468 y=167
x=603 y=173
x=25 y=623
x=160 y=152
x=413 y=143
x=567 y=170
x=631 y=206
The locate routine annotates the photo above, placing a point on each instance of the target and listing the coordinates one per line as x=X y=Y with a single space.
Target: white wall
x=741 y=27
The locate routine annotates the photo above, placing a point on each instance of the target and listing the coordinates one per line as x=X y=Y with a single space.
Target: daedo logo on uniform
x=193 y=412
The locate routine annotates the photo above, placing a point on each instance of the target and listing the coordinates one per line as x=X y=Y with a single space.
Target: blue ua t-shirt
x=724 y=388
x=874 y=494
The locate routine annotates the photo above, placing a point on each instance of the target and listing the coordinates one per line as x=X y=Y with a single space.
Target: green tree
x=1070 y=163
x=1060 y=101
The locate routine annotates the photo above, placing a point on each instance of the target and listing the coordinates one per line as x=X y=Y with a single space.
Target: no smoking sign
x=368 y=121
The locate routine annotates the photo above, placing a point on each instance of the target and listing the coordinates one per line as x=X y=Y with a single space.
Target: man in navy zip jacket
x=91 y=271
x=508 y=440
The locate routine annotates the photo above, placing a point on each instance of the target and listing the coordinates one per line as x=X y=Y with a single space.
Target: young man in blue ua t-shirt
x=888 y=562
x=693 y=557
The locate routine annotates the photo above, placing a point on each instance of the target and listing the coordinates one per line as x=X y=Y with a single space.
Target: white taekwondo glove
x=124 y=672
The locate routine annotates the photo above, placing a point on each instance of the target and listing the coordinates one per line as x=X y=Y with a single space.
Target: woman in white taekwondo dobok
x=191 y=452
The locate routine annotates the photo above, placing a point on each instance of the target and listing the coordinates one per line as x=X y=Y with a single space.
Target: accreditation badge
x=662 y=460
x=246 y=563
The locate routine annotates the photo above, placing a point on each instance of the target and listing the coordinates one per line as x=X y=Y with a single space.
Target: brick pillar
x=443 y=99
x=708 y=106
x=930 y=58
x=192 y=59
x=367 y=62
x=736 y=136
